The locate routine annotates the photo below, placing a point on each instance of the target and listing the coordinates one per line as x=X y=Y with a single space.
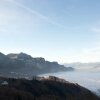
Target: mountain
x=24 y=65
x=51 y=88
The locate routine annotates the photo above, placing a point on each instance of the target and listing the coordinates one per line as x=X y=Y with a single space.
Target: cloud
x=85 y=55
x=42 y=16
x=3 y=30
x=13 y=22
x=32 y=11
x=96 y=29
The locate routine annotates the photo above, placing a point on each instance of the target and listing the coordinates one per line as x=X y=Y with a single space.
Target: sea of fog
x=87 y=78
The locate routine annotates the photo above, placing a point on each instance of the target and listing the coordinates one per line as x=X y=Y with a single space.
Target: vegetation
x=45 y=89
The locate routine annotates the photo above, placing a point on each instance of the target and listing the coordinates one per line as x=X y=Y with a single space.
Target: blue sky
x=58 y=30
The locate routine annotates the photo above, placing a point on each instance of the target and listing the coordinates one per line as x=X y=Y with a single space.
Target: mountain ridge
x=22 y=63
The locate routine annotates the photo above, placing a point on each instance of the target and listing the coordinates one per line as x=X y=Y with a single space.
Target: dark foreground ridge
x=51 y=88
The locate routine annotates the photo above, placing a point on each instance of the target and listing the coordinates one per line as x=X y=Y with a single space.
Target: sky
x=58 y=30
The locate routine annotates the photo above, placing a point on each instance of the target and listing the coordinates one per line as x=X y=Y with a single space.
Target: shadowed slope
x=47 y=89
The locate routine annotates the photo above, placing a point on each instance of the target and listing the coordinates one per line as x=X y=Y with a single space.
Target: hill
x=51 y=88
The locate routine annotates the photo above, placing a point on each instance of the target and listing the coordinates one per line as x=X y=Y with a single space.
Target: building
x=2 y=82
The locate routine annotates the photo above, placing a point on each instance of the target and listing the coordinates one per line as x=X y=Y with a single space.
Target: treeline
x=22 y=89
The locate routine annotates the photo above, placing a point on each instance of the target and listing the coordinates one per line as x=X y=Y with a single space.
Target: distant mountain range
x=23 y=65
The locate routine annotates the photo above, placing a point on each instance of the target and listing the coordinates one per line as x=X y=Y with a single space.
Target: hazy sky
x=58 y=30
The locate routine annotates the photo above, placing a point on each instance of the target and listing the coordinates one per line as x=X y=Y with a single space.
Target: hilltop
x=51 y=88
